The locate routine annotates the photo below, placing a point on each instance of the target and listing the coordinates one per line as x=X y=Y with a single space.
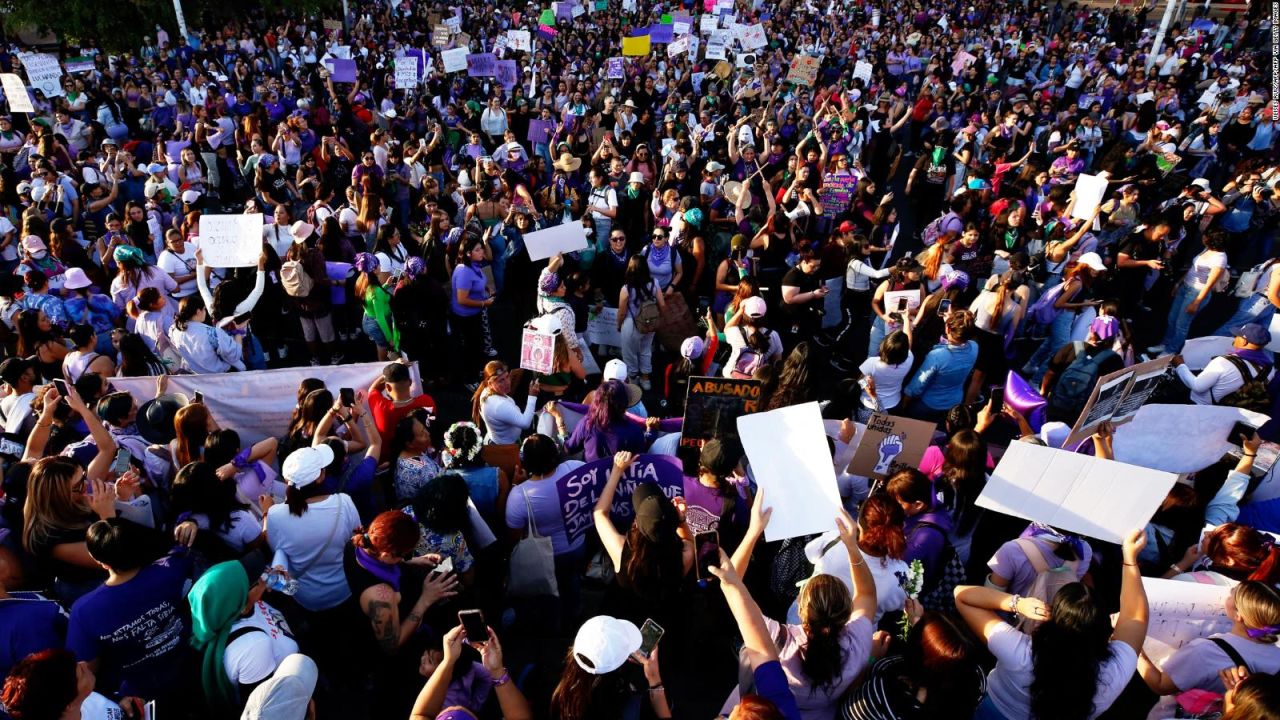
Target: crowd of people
x=909 y=231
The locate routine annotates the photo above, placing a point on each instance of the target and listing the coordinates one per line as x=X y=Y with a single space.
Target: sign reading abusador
x=580 y=489
x=713 y=406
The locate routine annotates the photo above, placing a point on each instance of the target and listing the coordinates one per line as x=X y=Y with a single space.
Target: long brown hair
x=582 y=696
x=191 y=424
x=492 y=370
x=825 y=607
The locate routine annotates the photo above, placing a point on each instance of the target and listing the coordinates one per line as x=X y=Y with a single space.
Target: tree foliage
x=119 y=25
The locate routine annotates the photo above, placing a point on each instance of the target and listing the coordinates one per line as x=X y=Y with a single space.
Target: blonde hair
x=50 y=505
x=1258 y=606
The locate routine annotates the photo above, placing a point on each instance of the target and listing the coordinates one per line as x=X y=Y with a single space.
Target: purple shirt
x=1011 y=562
x=544 y=500
x=472 y=280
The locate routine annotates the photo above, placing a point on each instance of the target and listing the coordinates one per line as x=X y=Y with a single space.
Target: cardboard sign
x=564 y=238
x=716 y=51
x=890 y=444
x=482 y=65
x=440 y=36
x=836 y=193
x=753 y=37
x=454 y=60
x=679 y=47
x=231 y=240
x=16 y=93
x=1118 y=396
x=537 y=351
x=44 y=73
x=1080 y=494
x=804 y=70
x=332 y=26
x=1181 y=612
x=713 y=405
x=580 y=489
x=616 y=69
x=519 y=40
x=406 y=73
x=961 y=61
x=708 y=24
x=862 y=70
x=788 y=452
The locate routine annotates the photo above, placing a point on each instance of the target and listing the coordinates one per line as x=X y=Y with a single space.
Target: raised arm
x=864 y=585
x=612 y=540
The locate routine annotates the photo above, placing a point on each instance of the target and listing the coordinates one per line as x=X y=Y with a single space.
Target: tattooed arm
x=381 y=604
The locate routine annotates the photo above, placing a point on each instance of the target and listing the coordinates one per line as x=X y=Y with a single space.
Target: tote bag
x=533 y=563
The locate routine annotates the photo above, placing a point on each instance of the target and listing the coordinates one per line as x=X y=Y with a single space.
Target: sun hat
x=75 y=279
x=301 y=230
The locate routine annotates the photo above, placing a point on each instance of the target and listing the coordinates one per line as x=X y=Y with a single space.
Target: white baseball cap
x=604 y=643
x=304 y=466
x=1092 y=260
x=287 y=693
x=754 y=307
x=615 y=369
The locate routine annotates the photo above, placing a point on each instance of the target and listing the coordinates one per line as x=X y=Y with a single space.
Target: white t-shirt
x=16 y=409
x=245 y=528
x=392 y=262
x=180 y=264
x=1009 y=684
x=279 y=238
x=310 y=548
x=889 y=379
x=737 y=340
x=10 y=252
x=1198 y=276
x=98 y=707
x=254 y=656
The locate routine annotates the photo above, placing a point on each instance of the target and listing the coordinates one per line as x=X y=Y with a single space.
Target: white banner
x=258 y=404
x=1181 y=612
x=231 y=240
x=519 y=40
x=44 y=73
x=563 y=238
x=1180 y=438
x=16 y=93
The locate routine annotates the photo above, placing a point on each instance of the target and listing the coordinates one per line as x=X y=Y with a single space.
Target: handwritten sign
x=537 y=351
x=508 y=73
x=679 y=47
x=16 y=93
x=482 y=65
x=440 y=36
x=890 y=443
x=836 y=193
x=519 y=40
x=231 y=240
x=616 y=69
x=713 y=405
x=44 y=73
x=406 y=73
x=862 y=71
x=454 y=60
x=579 y=490
x=804 y=70
x=332 y=26
x=753 y=37
x=602 y=328
x=708 y=24
x=961 y=61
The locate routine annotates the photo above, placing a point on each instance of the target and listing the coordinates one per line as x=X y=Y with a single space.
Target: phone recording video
x=708 y=549
x=650 y=633
x=348 y=397
x=473 y=625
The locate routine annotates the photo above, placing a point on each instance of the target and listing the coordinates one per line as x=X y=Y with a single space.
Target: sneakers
x=335 y=359
x=645 y=384
x=1156 y=350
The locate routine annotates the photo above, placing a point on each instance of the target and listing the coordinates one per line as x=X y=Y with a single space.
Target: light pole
x=1159 y=41
x=182 y=21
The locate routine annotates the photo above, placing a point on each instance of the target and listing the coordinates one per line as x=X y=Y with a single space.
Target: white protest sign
x=1197 y=352
x=787 y=448
x=563 y=238
x=518 y=40
x=1085 y=495
x=44 y=73
x=231 y=240
x=715 y=51
x=708 y=24
x=679 y=47
x=16 y=93
x=340 y=51
x=406 y=73
x=602 y=328
x=753 y=37
x=259 y=402
x=863 y=69
x=1181 y=612
x=1089 y=192
x=1180 y=438
x=454 y=60
x=681 y=27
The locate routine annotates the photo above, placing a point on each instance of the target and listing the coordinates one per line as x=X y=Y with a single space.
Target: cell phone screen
x=997 y=399
x=1240 y=429
x=902 y=304
x=199 y=397
x=650 y=633
x=708 y=546
x=120 y=465
x=348 y=397
x=944 y=307
x=61 y=386
x=473 y=625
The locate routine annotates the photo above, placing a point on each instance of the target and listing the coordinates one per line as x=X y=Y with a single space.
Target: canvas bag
x=533 y=563
x=1048 y=580
x=1253 y=394
x=294 y=278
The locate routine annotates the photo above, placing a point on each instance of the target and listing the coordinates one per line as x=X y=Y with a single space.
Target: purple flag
x=660 y=33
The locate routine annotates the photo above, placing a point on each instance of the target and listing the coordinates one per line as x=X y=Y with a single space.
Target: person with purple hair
x=605 y=430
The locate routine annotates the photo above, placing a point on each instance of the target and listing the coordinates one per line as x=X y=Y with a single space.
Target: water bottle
x=279 y=581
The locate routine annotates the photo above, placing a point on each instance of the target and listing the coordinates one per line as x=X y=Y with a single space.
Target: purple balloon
x=1021 y=396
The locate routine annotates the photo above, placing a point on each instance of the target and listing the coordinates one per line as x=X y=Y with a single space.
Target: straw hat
x=567 y=163
x=731 y=191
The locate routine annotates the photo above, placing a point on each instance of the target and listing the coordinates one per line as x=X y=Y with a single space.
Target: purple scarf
x=1260 y=357
x=1044 y=532
x=389 y=574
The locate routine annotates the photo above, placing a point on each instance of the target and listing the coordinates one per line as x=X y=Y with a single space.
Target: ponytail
x=1269 y=571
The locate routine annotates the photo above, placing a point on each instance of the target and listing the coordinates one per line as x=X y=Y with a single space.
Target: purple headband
x=1264 y=631
x=414 y=267
x=367 y=263
x=955 y=279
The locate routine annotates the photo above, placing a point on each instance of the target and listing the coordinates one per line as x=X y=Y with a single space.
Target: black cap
x=655 y=515
x=719 y=458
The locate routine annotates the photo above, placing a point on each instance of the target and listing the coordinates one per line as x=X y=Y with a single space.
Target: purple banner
x=580 y=489
x=540 y=130
x=659 y=33
x=482 y=65
x=342 y=70
x=508 y=73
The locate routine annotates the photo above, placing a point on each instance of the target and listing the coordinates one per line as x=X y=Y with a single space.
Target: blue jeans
x=1254 y=309
x=374 y=331
x=987 y=710
x=1175 y=334
x=498 y=243
x=1059 y=335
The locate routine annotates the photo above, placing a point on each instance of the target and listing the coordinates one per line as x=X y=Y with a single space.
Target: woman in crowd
x=596 y=683
x=203 y=348
x=378 y=322
x=884 y=374
x=1057 y=309
x=881 y=540
x=133 y=273
x=84 y=358
x=905 y=276
x=640 y=306
x=996 y=315
x=200 y=495
x=493 y=409
x=605 y=430
x=39 y=341
x=443 y=510
x=752 y=344
x=1074 y=664
x=413 y=461
x=487 y=486
x=940 y=382
x=470 y=302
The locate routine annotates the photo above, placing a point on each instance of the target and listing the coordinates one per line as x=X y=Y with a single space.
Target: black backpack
x=1253 y=394
x=938 y=592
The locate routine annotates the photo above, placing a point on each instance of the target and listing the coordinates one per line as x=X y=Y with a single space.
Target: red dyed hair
x=881 y=520
x=1242 y=553
x=754 y=707
x=392 y=532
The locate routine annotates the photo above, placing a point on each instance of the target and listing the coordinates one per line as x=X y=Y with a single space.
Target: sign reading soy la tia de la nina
x=580 y=489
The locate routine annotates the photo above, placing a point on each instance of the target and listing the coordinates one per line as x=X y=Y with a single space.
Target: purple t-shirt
x=704 y=505
x=1011 y=562
x=544 y=500
x=472 y=280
